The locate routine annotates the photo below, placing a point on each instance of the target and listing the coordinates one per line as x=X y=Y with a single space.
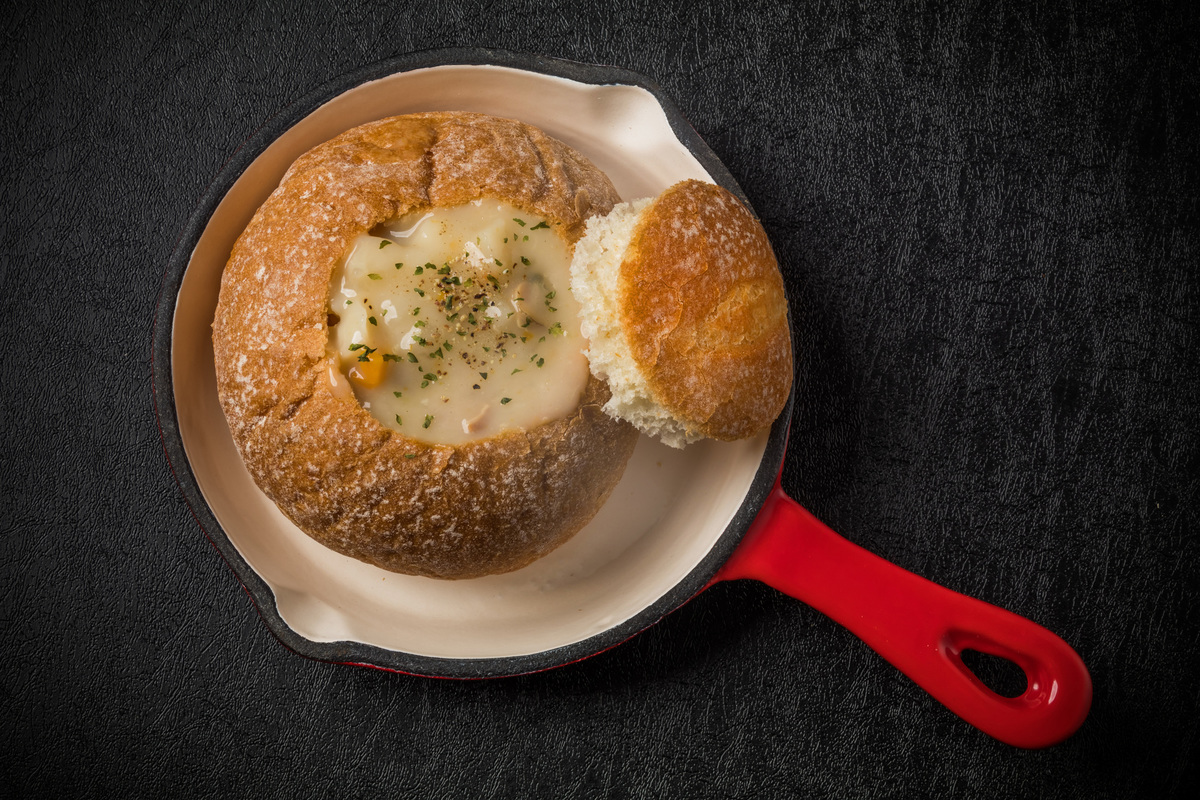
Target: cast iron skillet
x=676 y=524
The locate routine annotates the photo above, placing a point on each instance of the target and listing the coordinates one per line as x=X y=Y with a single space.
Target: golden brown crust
x=342 y=477
x=704 y=312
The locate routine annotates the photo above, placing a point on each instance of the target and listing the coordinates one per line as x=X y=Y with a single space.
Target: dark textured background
x=988 y=223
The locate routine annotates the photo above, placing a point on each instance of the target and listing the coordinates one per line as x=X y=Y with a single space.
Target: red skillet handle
x=918 y=626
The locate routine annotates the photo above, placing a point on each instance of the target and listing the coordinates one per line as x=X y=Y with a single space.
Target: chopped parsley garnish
x=391 y=357
x=428 y=421
x=541 y=224
x=525 y=261
x=557 y=330
x=499 y=263
x=419 y=291
x=384 y=243
x=399 y=265
x=412 y=357
x=397 y=394
x=418 y=270
x=520 y=222
x=349 y=302
x=483 y=375
x=429 y=376
x=505 y=401
x=398 y=420
x=372 y=321
x=444 y=269
x=416 y=311
x=374 y=276
x=410 y=455
x=515 y=371
x=541 y=361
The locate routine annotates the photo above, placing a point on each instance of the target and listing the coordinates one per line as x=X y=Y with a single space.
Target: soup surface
x=456 y=324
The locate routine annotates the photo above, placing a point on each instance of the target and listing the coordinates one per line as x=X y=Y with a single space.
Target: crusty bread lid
x=703 y=309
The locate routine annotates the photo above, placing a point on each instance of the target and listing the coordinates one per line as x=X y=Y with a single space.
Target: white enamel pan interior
x=670 y=523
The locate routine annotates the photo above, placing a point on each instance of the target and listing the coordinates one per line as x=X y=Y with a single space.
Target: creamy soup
x=456 y=324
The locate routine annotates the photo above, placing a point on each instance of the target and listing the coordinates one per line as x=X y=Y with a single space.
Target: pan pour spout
x=918 y=626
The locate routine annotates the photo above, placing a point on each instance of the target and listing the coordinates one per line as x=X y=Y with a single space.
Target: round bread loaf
x=684 y=309
x=356 y=486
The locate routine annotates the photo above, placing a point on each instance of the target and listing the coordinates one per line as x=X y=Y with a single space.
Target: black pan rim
x=163 y=398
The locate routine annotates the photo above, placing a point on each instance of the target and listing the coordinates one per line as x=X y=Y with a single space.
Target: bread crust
x=343 y=478
x=704 y=311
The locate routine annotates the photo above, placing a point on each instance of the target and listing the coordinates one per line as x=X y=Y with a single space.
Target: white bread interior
x=595 y=271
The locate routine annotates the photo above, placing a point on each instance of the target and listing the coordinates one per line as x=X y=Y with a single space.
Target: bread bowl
x=387 y=494
x=684 y=308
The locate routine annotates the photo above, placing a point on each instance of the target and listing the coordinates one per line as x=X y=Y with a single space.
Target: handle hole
x=998 y=674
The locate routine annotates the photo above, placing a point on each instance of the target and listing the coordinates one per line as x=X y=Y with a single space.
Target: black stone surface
x=987 y=219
